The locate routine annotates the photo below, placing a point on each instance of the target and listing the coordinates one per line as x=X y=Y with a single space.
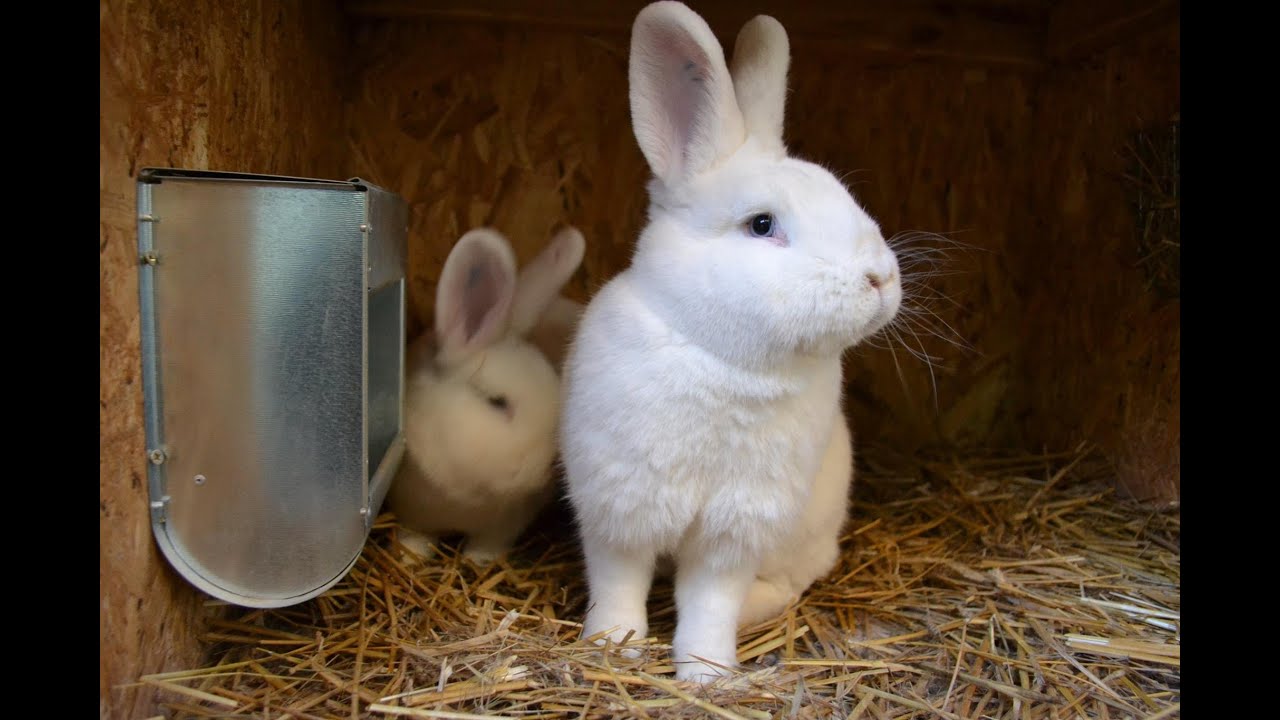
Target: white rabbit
x=701 y=411
x=481 y=400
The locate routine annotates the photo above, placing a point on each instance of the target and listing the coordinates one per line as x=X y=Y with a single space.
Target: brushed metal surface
x=389 y=226
x=385 y=371
x=387 y=231
x=259 y=295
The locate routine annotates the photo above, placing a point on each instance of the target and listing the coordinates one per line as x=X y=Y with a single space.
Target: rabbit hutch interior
x=1011 y=546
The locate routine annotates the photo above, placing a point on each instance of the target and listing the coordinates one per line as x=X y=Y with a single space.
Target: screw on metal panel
x=149 y=259
x=364 y=227
x=364 y=511
x=156 y=456
x=148 y=218
x=157 y=504
x=200 y=479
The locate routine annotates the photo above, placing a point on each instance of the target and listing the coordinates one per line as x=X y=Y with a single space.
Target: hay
x=993 y=587
x=1154 y=184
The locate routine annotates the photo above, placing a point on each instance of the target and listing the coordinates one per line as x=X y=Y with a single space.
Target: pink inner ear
x=479 y=296
x=473 y=299
x=682 y=84
x=690 y=93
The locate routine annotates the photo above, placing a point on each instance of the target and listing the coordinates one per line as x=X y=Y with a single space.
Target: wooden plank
x=228 y=85
x=1080 y=28
x=999 y=33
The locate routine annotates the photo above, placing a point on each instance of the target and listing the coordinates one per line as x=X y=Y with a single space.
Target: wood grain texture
x=995 y=32
x=525 y=129
x=1099 y=352
x=247 y=85
x=1078 y=29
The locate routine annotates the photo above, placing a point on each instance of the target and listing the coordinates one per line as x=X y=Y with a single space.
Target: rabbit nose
x=878 y=279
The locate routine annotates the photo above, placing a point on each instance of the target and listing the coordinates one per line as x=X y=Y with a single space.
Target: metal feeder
x=273 y=356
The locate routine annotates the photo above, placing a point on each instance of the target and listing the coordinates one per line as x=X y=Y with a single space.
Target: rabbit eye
x=498 y=402
x=762 y=225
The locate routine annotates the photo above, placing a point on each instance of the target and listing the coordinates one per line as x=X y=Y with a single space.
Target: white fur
x=471 y=467
x=701 y=407
x=761 y=55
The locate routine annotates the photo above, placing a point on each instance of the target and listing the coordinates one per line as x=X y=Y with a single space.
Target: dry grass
x=996 y=587
x=1154 y=187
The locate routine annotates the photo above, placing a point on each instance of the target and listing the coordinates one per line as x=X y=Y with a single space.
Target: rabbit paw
x=417 y=547
x=482 y=554
x=700 y=672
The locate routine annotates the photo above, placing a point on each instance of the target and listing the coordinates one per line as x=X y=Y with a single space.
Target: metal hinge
x=159 y=509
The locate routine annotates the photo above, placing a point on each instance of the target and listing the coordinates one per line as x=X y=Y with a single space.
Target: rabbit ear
x=761 y=56
x=541 y=280
x=683 y=108
x=554 y=331
x=473 y=299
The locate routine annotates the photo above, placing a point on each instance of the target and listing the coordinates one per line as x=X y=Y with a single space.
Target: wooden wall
x=1098 y=349
x=249 y=85
x=478 y=119
x=525 y=129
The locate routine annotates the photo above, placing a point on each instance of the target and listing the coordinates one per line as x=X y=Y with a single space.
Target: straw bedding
x=982 y=587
